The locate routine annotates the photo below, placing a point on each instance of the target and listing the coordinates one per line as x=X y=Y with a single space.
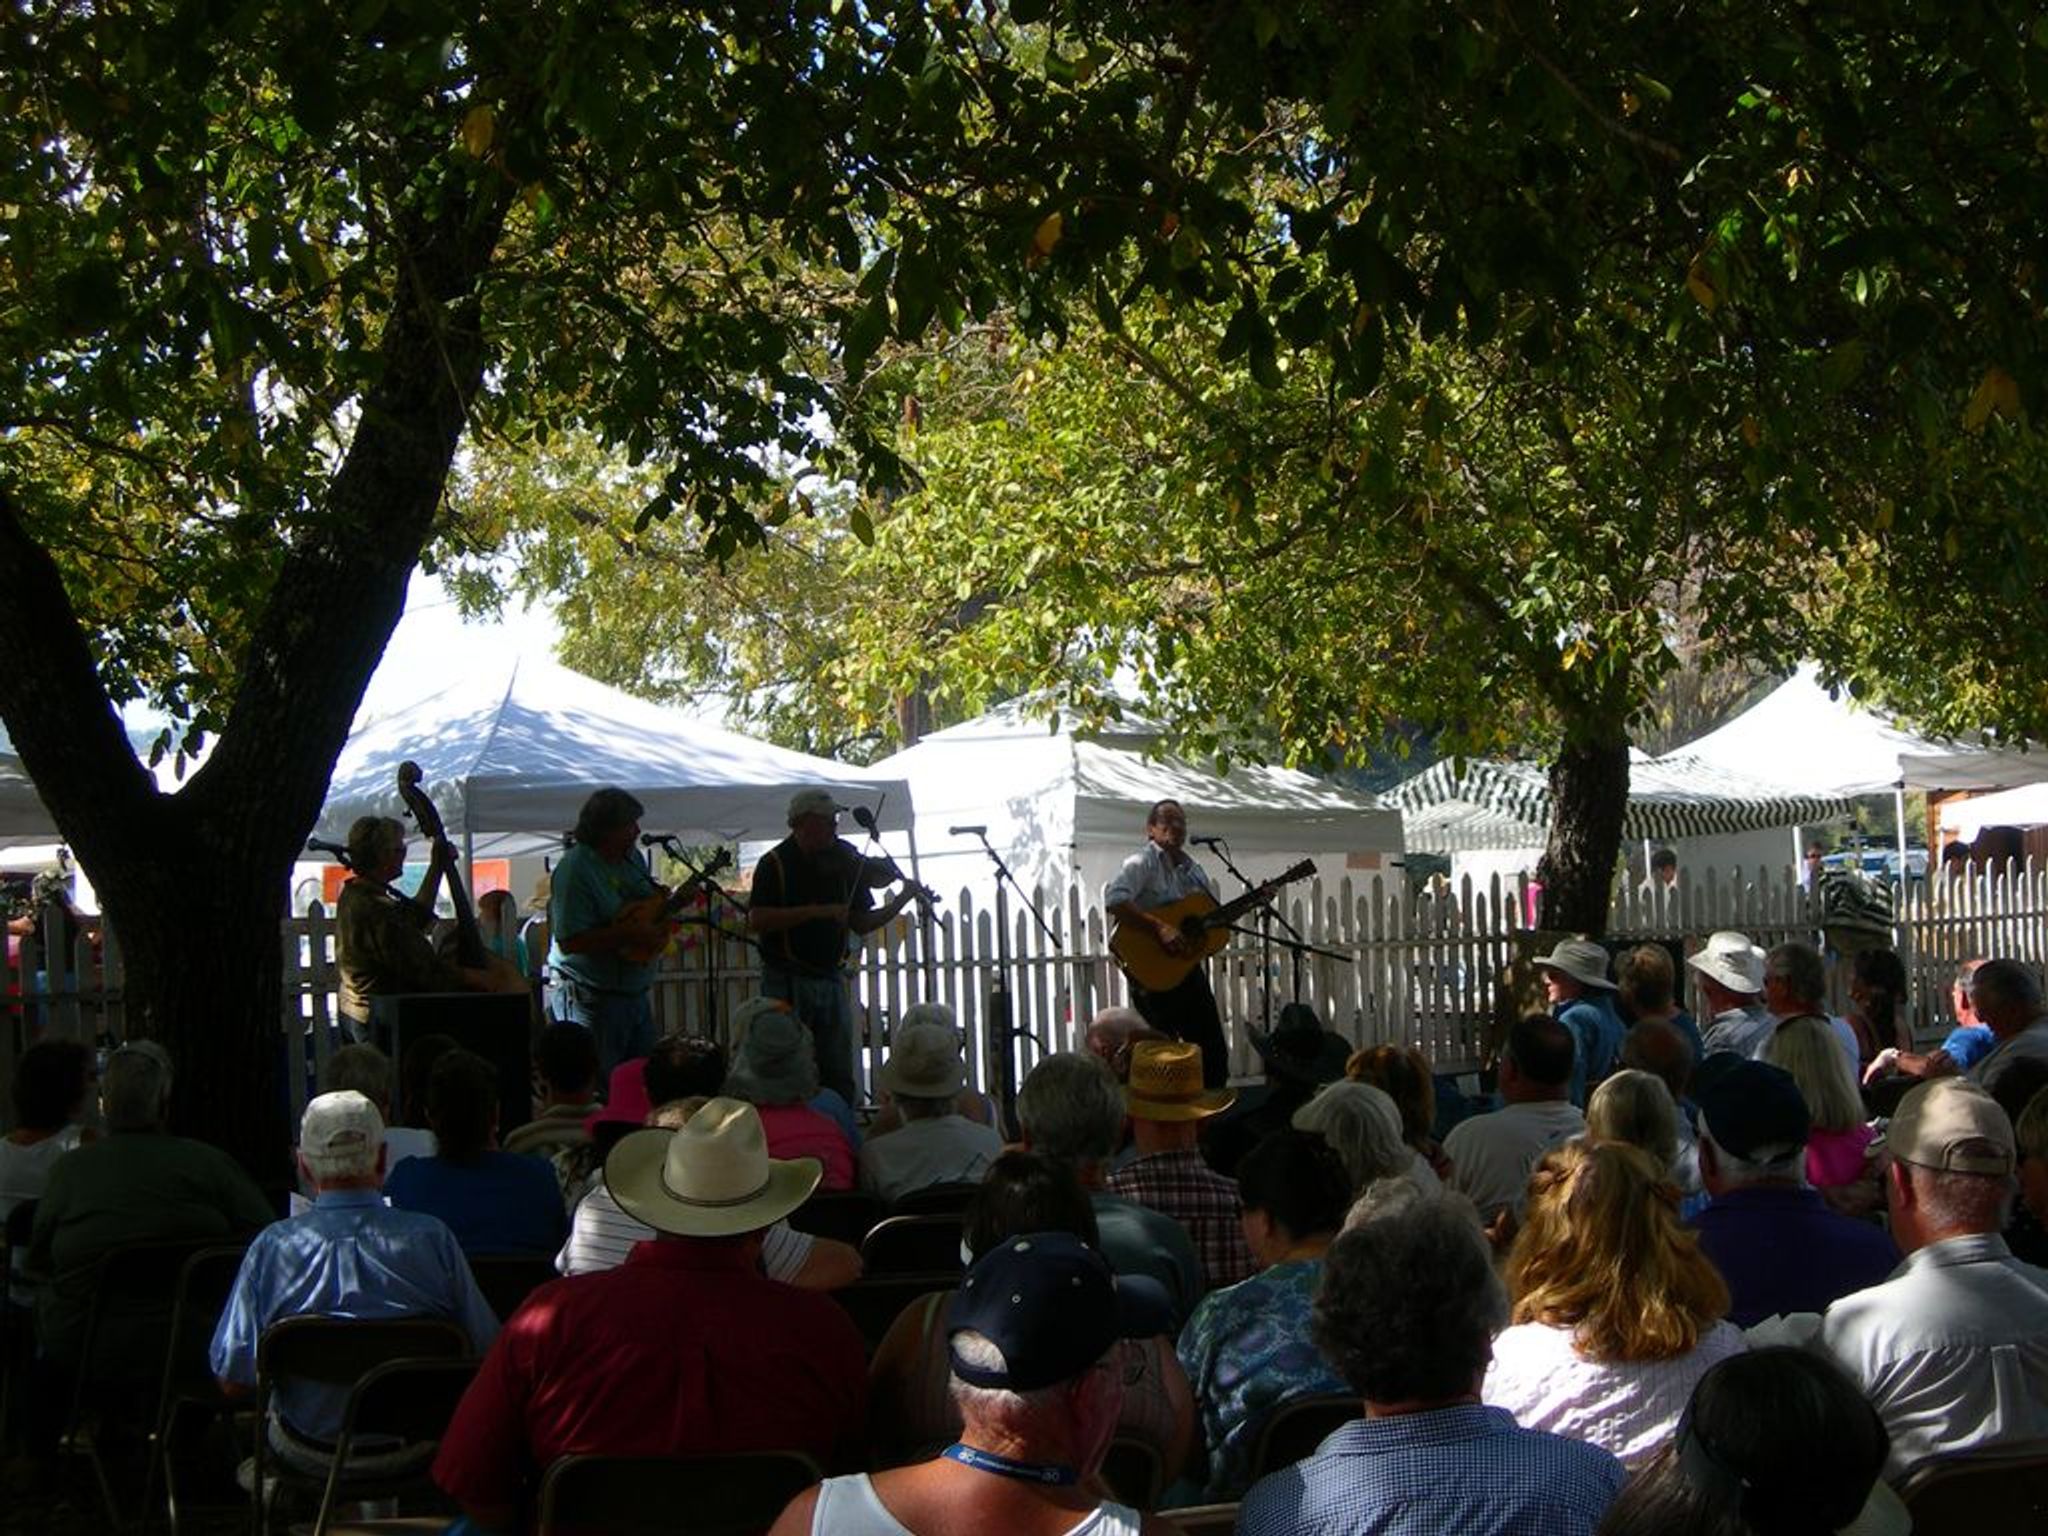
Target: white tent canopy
x=2026 y=806
x=1800 y=736
x=1498 y=805
x=1060 y=807
x=23 y=817
x=509 y=761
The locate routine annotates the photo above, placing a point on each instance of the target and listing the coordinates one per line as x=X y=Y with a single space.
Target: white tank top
x=847 y=1506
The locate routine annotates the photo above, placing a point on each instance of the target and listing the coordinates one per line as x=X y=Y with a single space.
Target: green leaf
x=863 y=334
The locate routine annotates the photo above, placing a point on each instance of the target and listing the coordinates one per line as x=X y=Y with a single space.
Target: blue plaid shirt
x=1468 y=1469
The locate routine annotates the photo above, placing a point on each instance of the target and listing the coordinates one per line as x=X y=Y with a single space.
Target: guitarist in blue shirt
x=1157 y=876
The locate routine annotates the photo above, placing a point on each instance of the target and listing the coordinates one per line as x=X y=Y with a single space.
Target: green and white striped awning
x=1507 y=805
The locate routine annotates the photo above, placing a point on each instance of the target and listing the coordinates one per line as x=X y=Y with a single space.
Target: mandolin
x=1204 y=924
x=663 y=907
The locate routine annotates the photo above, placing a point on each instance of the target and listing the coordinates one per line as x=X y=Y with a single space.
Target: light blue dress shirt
x=349 y=1256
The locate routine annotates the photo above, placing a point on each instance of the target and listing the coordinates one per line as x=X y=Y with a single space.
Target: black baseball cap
x=1052 y=1305
x=1754 y=1110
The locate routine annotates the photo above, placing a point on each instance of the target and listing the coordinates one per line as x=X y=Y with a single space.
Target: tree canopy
x=269 y=267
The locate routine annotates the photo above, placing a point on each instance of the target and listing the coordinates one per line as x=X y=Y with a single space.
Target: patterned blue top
x=1246 y=1350
x=1468 y=1469
x=349 y=1256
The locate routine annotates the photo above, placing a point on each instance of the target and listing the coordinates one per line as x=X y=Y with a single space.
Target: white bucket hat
x=712 y=1178
x=1731 y=960
x=1582 y=960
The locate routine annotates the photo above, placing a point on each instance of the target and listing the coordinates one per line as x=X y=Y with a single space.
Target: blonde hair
x=1603 y=1254
x=1635 y=1108
x=1807 y=1048
x=1402 y=1073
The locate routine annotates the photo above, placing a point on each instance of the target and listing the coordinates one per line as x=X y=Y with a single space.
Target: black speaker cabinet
x=498 y=1026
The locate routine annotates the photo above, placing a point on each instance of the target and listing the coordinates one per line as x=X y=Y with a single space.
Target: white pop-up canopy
x=23 y=816
x=1800 y=736
x=509 y=761
x=2026 y=806
x=1060 y=807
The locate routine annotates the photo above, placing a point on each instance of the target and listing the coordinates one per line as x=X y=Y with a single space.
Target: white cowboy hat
x=712 y=1178
x=1582 y=960
x=1731 y=960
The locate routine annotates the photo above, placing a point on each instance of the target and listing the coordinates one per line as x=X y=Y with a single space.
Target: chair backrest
x=409 y=1399
x=508 y=1279
x=1966 y=1495
x=672 y=1495
x=1296 y=1427
x=936 y=1200
x=842 y=1214
x=1203 y=1519
x=340 y=1350
x=913 y=1244
x=21 y=1223
x=874 y=1301
x=204 y=1284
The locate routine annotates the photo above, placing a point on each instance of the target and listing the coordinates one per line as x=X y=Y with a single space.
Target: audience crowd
x=1746 y=1274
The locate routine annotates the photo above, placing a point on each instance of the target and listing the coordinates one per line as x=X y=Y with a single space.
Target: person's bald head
x=1112 y=1033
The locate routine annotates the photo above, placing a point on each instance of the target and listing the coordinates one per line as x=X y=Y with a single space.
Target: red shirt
x=684 y=1349
x=796 y=1130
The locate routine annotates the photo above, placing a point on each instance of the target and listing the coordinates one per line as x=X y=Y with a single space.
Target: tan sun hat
x=712 y=1178
x=1166 y=1083
x=924 y=1062
x=1582 y=960
x=1731 y=960
x=1953 y=1126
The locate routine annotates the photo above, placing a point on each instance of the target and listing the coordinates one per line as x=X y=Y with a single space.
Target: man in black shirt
x=811 y=893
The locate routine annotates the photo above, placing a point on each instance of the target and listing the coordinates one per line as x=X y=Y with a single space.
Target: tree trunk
x=1589 y=797
x=195 y=884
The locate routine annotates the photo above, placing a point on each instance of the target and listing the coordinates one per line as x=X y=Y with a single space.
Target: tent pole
x=469 y=861
x=1899 y=808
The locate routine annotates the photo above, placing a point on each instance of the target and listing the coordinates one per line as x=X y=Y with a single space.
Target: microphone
x=334 y=850
x=967 y=831
x=866 y=819
x=1206 y=842
x=656 y=839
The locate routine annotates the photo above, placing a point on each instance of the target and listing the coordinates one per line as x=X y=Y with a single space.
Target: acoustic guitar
x=1204 y=924
x=663 y=908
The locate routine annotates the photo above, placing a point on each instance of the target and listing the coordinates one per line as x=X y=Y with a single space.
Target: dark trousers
x=1188 y=1012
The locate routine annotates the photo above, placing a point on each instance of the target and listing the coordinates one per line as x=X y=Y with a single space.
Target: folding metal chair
x=334 y=1351
x=1296 y=1427
x=913 y=1245
x=842 y=1214
x=204 y=1284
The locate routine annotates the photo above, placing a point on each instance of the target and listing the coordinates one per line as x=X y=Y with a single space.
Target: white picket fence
x=1422 y=968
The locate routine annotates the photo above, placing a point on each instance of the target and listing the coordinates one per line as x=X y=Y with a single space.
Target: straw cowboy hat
x=1582 y=960
x=1731 y=960
x=712 y=1178
x=1166 y=1083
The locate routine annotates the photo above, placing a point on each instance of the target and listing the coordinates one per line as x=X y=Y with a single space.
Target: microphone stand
x=1269 y=914
x=713 y=930
x=1002 y=1030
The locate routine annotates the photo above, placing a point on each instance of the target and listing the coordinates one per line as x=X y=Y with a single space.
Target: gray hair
x=1363 y=1127
x=1410 y=1299
x=1021 y=1415
x=1961 y=1202
x=1788 y=1167
x=135 y=1088
x=1071 y=1108
x=369 y=836
x=2006 y=984
x=1635 y=1107
x=1798 y=968
x=363 y=1068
